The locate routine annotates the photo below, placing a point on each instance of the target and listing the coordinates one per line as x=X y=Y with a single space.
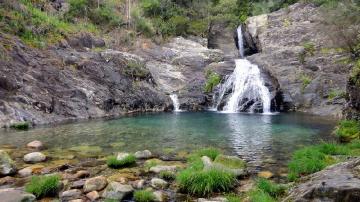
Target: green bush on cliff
x=42 y=186
x=213 y=79
x=113 y=162
x=348 y=130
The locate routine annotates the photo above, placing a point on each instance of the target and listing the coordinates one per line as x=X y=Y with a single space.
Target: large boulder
x=7 y=165
x=339 y=182
x=117 y=191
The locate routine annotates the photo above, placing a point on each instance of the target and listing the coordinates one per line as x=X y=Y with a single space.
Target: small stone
x=265 y=174
x=217 y=199
x=158 y=169
x=34 y=157
x=117 y=191
x=35 y=145
x=143 y=154
x=77 y=200
x=70 y=194
x=78 y=184
x=160 y=196
x=7 y=165
x=15 y=195
x=25 y=172
x=95 y=184
x=122 y=156
x=82 y=174
x=93 y=196
x=158 y=183
x=138 y=184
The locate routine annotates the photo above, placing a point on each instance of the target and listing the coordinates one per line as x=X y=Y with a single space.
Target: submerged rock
x=122 y=156
x=95 y=184
x=35 y=145
x=7 y=165
x=117 y=191
x=34 y=157
x=146 y=154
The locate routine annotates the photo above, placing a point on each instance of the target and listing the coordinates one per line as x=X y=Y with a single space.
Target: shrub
x=105 y=16
x=136 y=70
x=198 y=28
x=270 y=188
x=213 y=79
x=180 y=25
x=348 y=130
x=20 y=126
x=167 y=175
x=306 y=80
x=355 y=74
x=113 y=162
x=144 y=196
x=204 y=182
x=142 y=24
x=42 y=186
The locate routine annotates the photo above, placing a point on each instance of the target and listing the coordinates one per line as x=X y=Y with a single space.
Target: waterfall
x=248 y=92
x=176 y=103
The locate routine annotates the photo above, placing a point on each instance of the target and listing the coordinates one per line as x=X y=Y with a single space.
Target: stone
x=15 y=195
x=34 y=157
x=122 y=156
x=7 y=180
x=138 y=184
x=231 y=164
x=146 y=154
x=25 y=172
x=160 y=168
x=93 y=196
x=158 y=183
x=82 y=174
x=77 y=200
x=95 y=184
x=7 y=165
x=265 y=174
x=217 y=199
x=160 y=196
x=70 y=194
x=37 y=145
x=117 y=191
x=78 y=184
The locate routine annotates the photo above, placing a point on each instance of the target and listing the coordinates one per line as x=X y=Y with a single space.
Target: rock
x=217 y=199
x=160 y=196
x=158 y=169
x=93 y=196
x=122 y=156
x=117 y=191
x=15 y=195
x=78 y=184
x=95 y=184
x=82 y=174
x=7 y=180
x=70 y=194
x=7 y=165
x=158 y=183
x=146 y=154
x=35 y=145
x=77 y=200
x=221 y=36
x=138 y=184
x=34 y=157
x=25 y=172
x=265 y=174
x=339 y=182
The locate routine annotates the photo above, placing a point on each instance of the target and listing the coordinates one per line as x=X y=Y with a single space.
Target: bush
x=20 y=126
x=213 y=79
x=198 y=28
x=144 y=196
x=274 y=190
x=113 y=162
x=348 y=130
x=205 y=182
x=167 y=175
x=105 y=16
x=180 y=25
x=42 y=186
x=142 y=24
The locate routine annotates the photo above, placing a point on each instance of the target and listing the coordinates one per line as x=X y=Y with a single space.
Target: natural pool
x=265 y=141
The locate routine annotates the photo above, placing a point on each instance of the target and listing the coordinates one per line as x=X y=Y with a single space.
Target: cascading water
x=248 y=92
x=176 y=103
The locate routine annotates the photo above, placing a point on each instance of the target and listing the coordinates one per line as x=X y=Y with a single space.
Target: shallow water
x=266 y=141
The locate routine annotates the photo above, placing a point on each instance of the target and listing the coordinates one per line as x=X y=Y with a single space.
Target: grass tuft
x=20 y=126
x=167 y=175
x=348 y=130
x=274 y=190
x=113 y=162
x=42 y=186
x=144 y=196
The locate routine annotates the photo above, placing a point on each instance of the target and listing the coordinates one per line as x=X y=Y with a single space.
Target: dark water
x=263 y=140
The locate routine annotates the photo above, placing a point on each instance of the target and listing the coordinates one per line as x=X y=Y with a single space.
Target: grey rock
x=25 y=172
x=217 y=199
x=122 y=156
x=95 y=184
x=7 y=165
x=34 y=157
x=15 y=195
x=159 y=168
x=158 y=183
x=143 y=154
x=117 y=191
x=70 y=194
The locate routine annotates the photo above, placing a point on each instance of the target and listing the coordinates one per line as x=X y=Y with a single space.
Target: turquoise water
x=263 y=140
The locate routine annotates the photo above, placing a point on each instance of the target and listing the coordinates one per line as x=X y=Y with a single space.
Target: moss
x=210 y=152
x=230 y=162
x=20 y=126
x=113 y=162
x=42 y=186
x=348 y=130
x=144 y=196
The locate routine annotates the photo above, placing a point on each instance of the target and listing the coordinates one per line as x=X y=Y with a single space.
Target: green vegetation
x=260 y=196
x=113 y=162
x=230 y=162
x=309 y=50
x=213 y=79
x=144 y=196
x=136 y=70
x=348 y=130
x=274 y=190
x=334 y=93
x=167 y=175
x=42 y=186
x=20 y=126
x=210 y=152
x=233 y=198
x=306 y=80
x=355 y=74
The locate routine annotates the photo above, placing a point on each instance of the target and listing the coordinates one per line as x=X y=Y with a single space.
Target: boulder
x=159 y=168
x=7 y=165
x=37 y=145
x=143 y=154
x=70 y=194
x=82 y=174
x=95 y=184
x=117 y=191
x=158 y=183
x=34 y=157
x=15 y=195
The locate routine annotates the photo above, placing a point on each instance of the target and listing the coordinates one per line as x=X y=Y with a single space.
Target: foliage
x=42 y=186
x=334 y=93
x=355 y=74
x=144 y=196
x=142 y=24
x=113 y=162
x=136 y=70
x=260 y=196
x=210 y=152
x=348 y=130
x=274 y=190
x=230 y=162
x=167 y=175
x=306 y=80
x=212 y=80
x=20 y=126
x=309 y=50
x=233 y=198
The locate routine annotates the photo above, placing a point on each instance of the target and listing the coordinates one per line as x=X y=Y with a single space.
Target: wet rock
x=35 y=145
x=95 y=184
x=70 y=194
x=25 y=172
x=339 y=182
x=34 y=157
x=7 y=165
x=15 y=195
x=158 y=169
x=138 y=184
x=117 y=191
x=146 y=154
x=158 y=183
x=93 y=196
x=265 y=174
x=160 y=196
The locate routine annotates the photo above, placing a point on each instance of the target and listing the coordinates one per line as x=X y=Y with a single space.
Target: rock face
x=294 y=51
x=336 y=183
x=7 y=165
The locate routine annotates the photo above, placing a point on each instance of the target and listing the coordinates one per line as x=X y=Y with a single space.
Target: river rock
x=95 y=184
x=15 y=195
x=117 y=191
x=339 y=182
x=93 y=196
x=25 y=172
x=7 y=180
x=7 y=165
x=70 y=194
x=158 y=183
x=217 y=199
x=143 y=154
x=35 y=145
x=159 y=168
x=160 y=196
x=138 y=184
x=34 y=157
x=82 y=174
x=122 y=156
x=78 y=184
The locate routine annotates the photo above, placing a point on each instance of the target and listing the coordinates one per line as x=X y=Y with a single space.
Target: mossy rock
x=231 y=162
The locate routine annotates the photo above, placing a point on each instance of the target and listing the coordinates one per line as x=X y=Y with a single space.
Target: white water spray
x=240 y=41
x=176 y=103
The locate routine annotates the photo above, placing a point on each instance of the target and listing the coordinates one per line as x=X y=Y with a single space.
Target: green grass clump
x=306 y=80
x=334 y=93
x=20 y=126
x=42 y=186
x=144 y=196
x=274 y=190
x=213 y=79
x=205 y=182
x=113 y=162
x=260 y=196
x=167 y=175
x=209 y=152
x=230 y=162
x=348 y=130
x=233 y=198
